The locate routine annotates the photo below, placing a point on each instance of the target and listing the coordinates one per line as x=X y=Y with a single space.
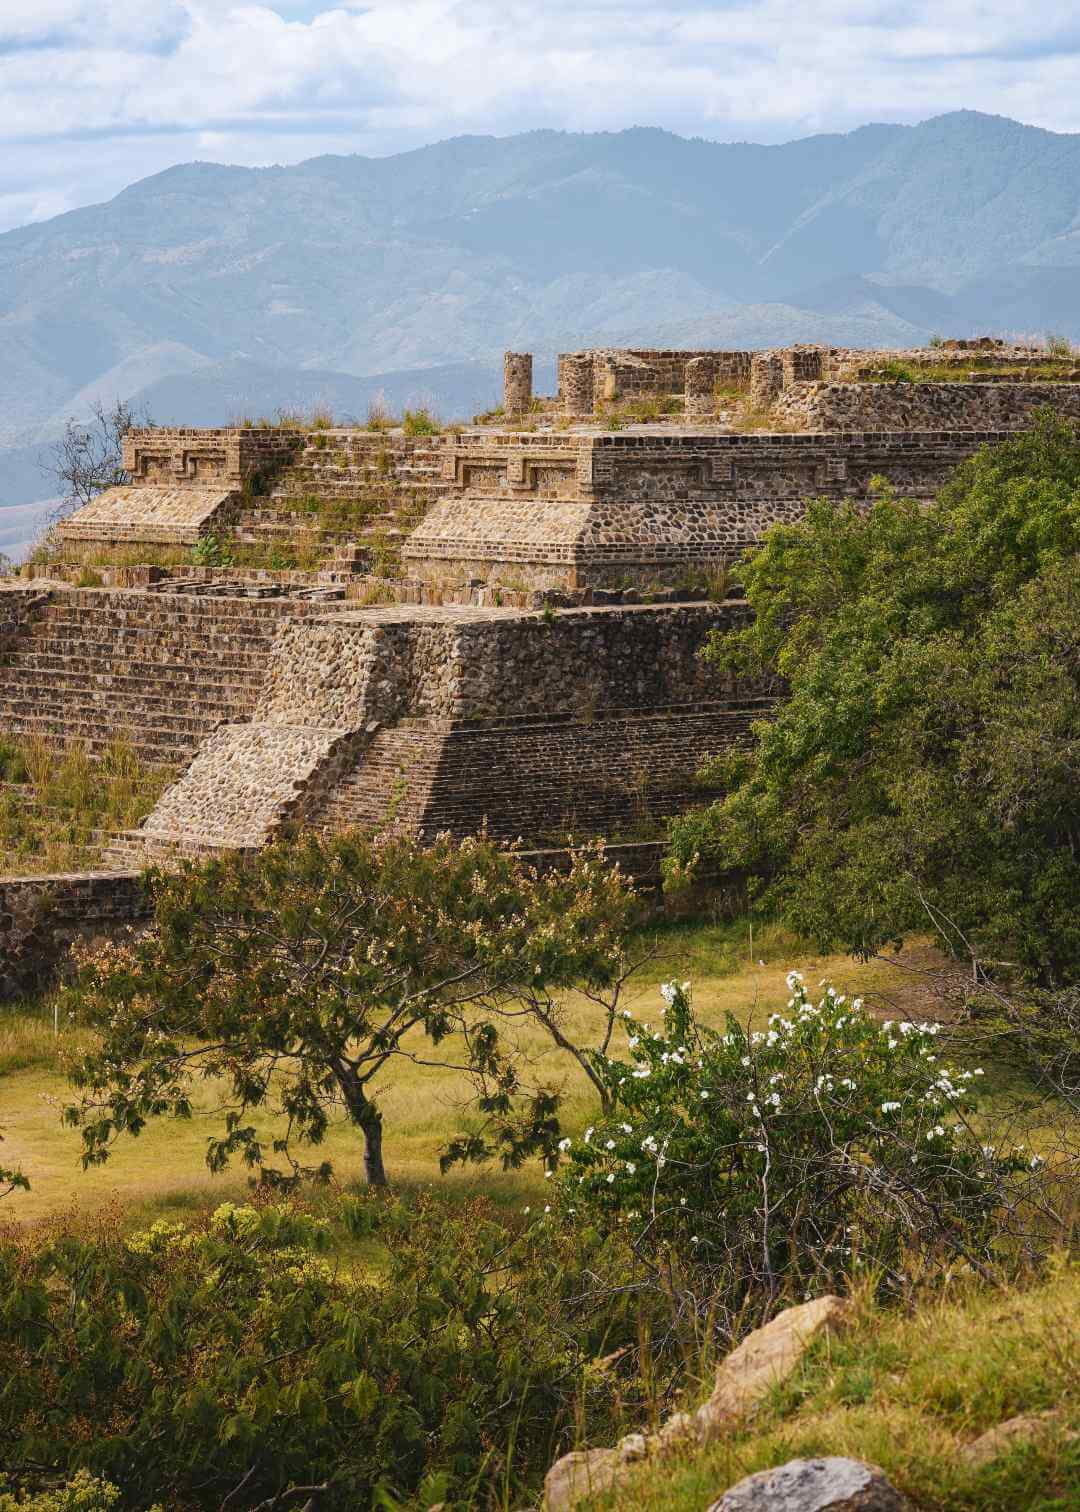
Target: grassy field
x=164 y=1170
x=911 y=1393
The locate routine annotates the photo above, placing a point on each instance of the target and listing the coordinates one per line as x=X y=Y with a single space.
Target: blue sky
x=97 y=93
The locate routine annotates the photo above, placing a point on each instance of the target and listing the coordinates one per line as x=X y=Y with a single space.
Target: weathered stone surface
x=900 y=407
x=1008 y=1435
x=40 y=918
x=814 y=1485
x=584 y=1472
x=767 y=1357
x=595 y=509
x=764 y=1358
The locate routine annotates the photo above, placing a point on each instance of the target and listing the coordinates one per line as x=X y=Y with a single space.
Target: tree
x=924 y=770
x=89 y=457
x=298 y=975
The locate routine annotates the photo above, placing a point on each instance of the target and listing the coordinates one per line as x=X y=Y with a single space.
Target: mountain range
x=207 y=291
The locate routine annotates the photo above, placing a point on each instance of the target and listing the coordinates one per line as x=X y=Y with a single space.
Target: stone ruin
x=523 y=654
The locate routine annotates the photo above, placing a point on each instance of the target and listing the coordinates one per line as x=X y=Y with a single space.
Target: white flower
x=588 y=1133
x=633 y=1042
x=527 y=1210
x=745 y=1060
x=631 y=1167
x=693 y=1238
x=548 y=1208
x=626 y=1128
x=611 y=1178
x=756 y=1111
x=548 y=1175
x=564 y=1144
x=794 y=979
x=704 y=1096
x=610 y=1145
x=642 y=1074
x=669 y=991
x=682 y=1201
x=890 y=1107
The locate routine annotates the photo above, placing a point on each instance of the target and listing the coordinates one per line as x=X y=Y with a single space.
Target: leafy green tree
x=294 y=978
x=923 y=770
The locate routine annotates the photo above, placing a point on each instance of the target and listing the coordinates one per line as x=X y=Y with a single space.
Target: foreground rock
x=1007 y=1435
x=814 y=1485
x=763 y=1360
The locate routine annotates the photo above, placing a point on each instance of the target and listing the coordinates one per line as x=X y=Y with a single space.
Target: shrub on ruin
x=921 y=771
x=745 y=1165
x=420 y=422
x=295 y=979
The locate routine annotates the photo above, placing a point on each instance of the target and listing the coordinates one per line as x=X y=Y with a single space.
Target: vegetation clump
x=921 y=771
x=58 y=806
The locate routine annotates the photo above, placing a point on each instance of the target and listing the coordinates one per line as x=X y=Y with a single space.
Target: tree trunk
x=374 y=1169
x=365 y=1114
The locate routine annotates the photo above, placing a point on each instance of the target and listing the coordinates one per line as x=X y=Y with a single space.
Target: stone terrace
x=94 y=665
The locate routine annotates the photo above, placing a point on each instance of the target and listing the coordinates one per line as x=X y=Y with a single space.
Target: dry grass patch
x=910 y=1393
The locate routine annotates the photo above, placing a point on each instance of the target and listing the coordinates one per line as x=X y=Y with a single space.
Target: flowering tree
x=293 y=980
x=766 y=1159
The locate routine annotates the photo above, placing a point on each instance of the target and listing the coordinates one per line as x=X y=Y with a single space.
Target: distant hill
x=209 y=289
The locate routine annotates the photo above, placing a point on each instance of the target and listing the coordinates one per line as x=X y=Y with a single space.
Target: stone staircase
x=347 y=494
x=367 y=469
x=161 y=672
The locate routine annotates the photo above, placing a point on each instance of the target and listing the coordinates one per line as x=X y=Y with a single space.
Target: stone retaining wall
x=40 y=917
x=914 y=406
x=346 y=671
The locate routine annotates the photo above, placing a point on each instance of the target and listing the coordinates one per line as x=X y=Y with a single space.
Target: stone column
x=766 y=378
x=517 y=383
x=700 y=386
x=576 y=383
x=803 y=365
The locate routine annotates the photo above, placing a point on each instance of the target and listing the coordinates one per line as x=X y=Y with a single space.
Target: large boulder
x=763 y=1360
x=814 y=1485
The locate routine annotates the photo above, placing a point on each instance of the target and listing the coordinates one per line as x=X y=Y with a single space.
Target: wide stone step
x=69 y=640
x=242 y=672
x=155 y=747
x=152 y=722
x=145 y=692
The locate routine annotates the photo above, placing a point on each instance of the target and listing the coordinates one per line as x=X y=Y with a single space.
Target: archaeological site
x=492 y=625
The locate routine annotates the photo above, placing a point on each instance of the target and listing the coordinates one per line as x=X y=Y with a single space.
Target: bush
x=420 y=422
x=744 y=1165
x=233 y=1360
x=85 y=1493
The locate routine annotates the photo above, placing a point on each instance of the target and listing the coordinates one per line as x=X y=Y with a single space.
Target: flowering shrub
x=825 y=1141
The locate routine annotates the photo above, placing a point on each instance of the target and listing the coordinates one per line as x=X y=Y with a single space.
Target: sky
x=95 y=94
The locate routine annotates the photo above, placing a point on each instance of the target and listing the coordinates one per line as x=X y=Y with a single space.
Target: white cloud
x=158 y=81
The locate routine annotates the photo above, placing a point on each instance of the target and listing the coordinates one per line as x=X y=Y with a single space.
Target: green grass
x=909 y=1393
x=166 y=1164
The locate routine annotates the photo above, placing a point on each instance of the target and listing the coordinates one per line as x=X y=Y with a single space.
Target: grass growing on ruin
x=57 y=806
x=911 y=1393
x=1052 y=370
